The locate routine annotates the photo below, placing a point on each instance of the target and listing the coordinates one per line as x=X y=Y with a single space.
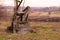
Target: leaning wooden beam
x=26 y=10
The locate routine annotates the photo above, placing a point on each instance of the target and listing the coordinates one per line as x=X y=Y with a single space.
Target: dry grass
x=46 y=31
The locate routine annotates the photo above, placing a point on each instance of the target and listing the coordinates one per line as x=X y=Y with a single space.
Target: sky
x=32 y=3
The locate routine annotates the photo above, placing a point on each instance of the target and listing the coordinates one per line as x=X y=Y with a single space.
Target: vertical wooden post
x=16 y=6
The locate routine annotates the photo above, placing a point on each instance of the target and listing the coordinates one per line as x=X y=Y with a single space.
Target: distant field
x=45 y=16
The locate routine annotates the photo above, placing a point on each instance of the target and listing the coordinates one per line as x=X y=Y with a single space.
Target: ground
x=44 y=31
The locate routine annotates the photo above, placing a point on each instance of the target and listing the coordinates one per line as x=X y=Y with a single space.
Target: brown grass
x=45 y=31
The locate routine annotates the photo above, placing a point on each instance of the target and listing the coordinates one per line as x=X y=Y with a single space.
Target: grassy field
x=44 y=31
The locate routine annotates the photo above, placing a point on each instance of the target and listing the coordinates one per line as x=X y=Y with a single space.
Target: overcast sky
x=33 y=3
